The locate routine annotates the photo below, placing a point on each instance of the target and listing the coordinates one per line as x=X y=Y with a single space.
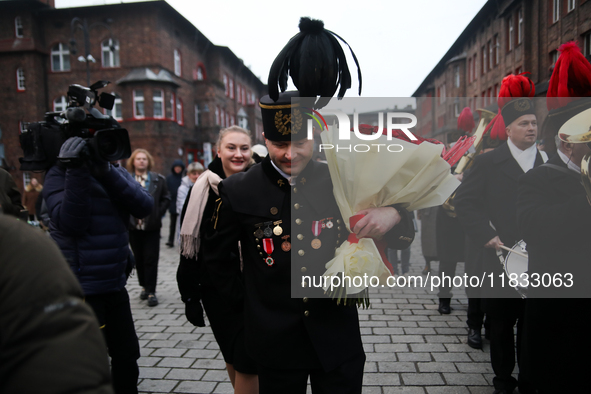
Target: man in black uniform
x=487 y=195
x=293 y=338
x=554 y=216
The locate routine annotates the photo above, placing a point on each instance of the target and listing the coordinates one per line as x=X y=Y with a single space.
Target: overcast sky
x=397 y=42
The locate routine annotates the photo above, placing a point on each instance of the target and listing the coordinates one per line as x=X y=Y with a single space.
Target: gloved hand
x=97 y=166
x=194 y=313
x=71 y=151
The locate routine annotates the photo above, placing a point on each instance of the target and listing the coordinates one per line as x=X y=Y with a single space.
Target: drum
x=515 y=263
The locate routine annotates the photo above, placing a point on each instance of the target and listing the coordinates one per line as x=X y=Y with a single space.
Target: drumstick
x=513 y=251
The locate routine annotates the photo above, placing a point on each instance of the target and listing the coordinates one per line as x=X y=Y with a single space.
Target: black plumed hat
x=316 y=63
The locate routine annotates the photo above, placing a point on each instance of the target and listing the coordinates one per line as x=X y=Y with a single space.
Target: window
x=555 y=10
x=474 y=75
x=217 y=116
x=110 y=53
x=470 y=75
x=457 y=109
x=243 y=96
x=553 y=57
x=571 y=5
x=496 y=47
x=520 y=26
x=510 y=34
x=442 y=94
x=177 y=63
x=197 y=115
x=484 y=60
x=158 y=99
x=222 y=118
x=490 y=56
x=200 y=72
x=117 y=111
x=60 y=57
x=179 y=111
x=18 y=27
x=226 y=90
x=587 y=45
x=496 y=91
x=20 y=79
x=138 y=104
x=231 y=87
x=60 y=104
x=457 y=76
x=238 y=94
x=170 y=107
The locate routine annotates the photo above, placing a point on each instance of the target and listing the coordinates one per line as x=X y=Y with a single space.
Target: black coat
x=488 y=194
x=554 y=217
x=281 y=331
x=159 y=191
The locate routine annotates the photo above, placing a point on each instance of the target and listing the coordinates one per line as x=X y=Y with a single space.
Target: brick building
x=506 y=36
x=175 y=89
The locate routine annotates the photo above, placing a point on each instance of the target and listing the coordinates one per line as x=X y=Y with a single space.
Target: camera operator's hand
x=70 y=152
x=97 y=166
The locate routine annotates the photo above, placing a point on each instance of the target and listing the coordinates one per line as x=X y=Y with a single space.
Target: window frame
x=159 y=100
x=18 y=25
x=571 y=5
x=61 y=56
x=179 y=111
x=520 y=24
x=136 y=101
x=113 y=54
x=20 y=80
x=555 y=11
x=178 y=63
x=510 y=33
x=63 y=102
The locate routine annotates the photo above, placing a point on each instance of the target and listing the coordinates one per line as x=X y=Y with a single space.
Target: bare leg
x=246 y=383
x=231 y=373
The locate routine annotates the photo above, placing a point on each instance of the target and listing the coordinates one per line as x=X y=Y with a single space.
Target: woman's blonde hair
x=231 y=129
x=131 y=167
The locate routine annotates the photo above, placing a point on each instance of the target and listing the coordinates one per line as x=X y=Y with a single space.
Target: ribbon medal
x=316 y=230
x=285 y=245
x=268 y=247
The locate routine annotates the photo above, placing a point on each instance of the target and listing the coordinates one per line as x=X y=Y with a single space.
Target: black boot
x=444 y=307
x=474 y=339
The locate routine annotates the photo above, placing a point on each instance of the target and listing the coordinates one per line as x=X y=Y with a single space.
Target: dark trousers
x=114 y=315
x=346 y=379
x=447 y=267
x=502 y=352
x=172 y=229
x=475 y=314
x=146 y=250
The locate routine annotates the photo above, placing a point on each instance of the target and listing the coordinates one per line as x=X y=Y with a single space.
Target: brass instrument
x=468 y=159
x=568 y=133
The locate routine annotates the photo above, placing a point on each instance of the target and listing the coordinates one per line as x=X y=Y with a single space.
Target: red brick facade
x=153 y=41
x=504 y=37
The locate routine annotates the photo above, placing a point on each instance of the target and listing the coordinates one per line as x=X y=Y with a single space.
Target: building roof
x=142 y=74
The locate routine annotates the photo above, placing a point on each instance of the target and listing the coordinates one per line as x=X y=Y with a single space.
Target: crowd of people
x=243 y=230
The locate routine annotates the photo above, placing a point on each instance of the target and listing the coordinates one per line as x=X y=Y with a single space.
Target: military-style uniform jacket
x=554 y=216
x=488 y=194
x=256 y=208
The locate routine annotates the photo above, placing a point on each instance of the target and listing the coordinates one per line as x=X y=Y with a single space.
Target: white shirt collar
x=568 y=162
x=290 y=178
x=525 y=158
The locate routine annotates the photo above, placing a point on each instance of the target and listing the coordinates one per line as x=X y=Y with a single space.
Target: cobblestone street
x=410 y=347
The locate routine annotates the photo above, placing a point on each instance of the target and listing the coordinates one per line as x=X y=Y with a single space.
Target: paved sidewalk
x=410 y=347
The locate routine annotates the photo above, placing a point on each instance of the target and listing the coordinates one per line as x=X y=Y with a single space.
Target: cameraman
x=89 y=202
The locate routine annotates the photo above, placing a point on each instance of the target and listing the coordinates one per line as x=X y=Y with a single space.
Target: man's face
x=140 y=162
x=578 y=151
x=290 y=157
x=193 y=176
x=177 y=169
x=523 y=131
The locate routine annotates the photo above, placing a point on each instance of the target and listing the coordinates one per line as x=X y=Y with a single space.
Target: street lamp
x=82 y=24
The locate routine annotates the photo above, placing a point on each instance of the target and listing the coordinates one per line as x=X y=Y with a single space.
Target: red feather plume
x=571 y=77
x=466 y=120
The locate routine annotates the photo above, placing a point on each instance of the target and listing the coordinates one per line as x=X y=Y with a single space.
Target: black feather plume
x=315 y=61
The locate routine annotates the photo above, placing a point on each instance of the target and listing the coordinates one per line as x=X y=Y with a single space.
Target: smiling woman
x=234 y=149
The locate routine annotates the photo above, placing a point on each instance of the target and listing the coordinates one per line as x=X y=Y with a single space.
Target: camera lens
x=112 y=144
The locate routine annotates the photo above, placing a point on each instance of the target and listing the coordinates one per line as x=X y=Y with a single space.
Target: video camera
x=41 y=142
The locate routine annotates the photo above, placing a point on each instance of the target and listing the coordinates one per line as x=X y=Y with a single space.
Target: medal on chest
x=267 y=231
x=268 y=248
x=285 y=245
x=277 y=230
x=316 y=230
